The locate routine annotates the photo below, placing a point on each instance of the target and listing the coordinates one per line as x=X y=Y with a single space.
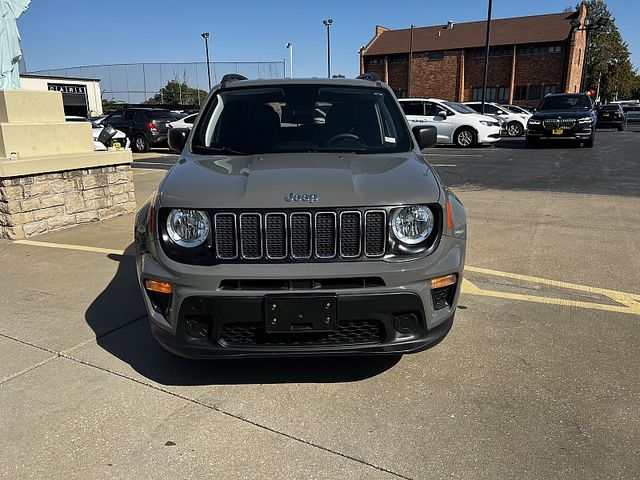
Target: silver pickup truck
x=302 y=218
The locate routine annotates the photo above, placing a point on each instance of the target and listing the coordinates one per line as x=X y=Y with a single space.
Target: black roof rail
x=372 y=77
x=232 y=77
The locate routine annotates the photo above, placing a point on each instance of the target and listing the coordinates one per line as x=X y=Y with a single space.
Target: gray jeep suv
x=301 y=219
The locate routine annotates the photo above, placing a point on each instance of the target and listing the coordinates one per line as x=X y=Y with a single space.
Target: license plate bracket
x=300 y=313
x=557 y=131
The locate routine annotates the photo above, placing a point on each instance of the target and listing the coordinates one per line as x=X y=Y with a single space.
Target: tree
x=177 y=92
x=608 y=58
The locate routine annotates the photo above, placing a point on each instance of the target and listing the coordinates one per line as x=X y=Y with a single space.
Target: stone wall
x=41 y=203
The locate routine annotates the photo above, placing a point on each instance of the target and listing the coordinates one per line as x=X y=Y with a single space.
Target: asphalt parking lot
x=537 y=379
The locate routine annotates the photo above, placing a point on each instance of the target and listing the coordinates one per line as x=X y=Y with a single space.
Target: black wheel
x=465 y=138
x=531 y=142
x=621 y=127
x=589 y=143
x=140 y=144
x=515 y=129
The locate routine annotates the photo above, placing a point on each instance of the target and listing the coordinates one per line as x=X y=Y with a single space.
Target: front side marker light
x=159 y=287
x=440 y=282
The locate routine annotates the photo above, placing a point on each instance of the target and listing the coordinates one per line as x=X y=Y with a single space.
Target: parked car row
x=119 y=140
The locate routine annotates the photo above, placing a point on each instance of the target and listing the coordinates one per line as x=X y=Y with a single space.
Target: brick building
x=529 y=57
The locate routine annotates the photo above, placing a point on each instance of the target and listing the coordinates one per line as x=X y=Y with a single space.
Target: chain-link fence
x=135 y=83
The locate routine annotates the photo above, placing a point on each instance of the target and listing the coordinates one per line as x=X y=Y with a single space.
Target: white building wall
x=94 y=97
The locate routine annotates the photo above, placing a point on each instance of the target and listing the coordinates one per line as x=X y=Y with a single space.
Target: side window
x=489 y=109
x=190 y=119
x=432 y=109
x=412 y=108
x=140 y=117
x=129 y=115
x=476 y=107
x=113 y=119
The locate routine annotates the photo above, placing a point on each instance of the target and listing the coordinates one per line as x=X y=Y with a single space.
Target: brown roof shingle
x=505 y=31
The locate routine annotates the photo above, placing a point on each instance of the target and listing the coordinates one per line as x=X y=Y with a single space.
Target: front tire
x=465 y=138
x=140 y=144
x=515 y=129
x=589 y=143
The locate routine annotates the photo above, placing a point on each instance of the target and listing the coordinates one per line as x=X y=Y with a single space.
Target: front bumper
x=578 y=132
x=367 y=317
x=489 y=135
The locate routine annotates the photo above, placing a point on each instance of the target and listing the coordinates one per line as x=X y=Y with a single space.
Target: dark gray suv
x=302 y=218
x=145 y=127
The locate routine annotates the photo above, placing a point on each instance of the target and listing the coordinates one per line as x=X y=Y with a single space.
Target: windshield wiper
x=218 y=150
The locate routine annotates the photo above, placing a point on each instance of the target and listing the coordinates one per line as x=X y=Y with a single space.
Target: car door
x=443 y=123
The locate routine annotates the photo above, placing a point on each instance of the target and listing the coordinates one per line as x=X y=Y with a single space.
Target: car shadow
x=129 y=339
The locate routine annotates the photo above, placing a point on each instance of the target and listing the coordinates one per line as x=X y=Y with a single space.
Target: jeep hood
x=263 y=181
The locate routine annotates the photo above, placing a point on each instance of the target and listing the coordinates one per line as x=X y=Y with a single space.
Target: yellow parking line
x=66 y=246
x=613 y=294
x=630 y=301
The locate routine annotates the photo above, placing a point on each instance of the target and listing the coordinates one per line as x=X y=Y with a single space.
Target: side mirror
x=177 y=139
x=442 y=113
x=426 y=136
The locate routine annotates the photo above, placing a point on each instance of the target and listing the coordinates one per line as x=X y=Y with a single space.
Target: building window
x=433 y=56
x=494 y=94
x=520 y=92
x=534 y=92
x=493 y=52
x=402 y=58
x=547 y=89
x=539 y=49
x=374 y=60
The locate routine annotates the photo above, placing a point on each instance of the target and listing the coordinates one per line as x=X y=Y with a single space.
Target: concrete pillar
x=512 y=83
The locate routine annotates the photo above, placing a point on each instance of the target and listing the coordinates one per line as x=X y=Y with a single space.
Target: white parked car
x=455 y=122
x=516 y=122
x=185 y=122
x=120 y=140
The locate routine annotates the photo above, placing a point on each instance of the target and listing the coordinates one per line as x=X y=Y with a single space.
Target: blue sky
x=65 y=33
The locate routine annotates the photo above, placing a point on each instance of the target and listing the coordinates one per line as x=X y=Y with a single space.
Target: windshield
x=459 y=108
x=565 y=102
x=302 y=118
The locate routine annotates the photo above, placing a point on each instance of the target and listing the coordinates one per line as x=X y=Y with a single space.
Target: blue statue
x=10 y=54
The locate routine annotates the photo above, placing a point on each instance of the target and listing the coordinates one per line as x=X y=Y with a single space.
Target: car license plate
x=300 y=313
x=557 y=131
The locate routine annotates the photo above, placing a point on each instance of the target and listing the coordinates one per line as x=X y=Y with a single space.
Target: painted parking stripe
x=442 y=165
x=66 y=246
x=629 y=302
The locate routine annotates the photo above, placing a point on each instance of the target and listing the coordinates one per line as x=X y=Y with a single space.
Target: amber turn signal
x=445 y=281
x=160 y=287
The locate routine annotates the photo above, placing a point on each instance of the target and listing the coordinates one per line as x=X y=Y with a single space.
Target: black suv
x=611 y=116
x=567 y=116
x=146 y=127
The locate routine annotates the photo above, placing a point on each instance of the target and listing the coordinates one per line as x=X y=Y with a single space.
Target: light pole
x=205 y=35
x=327 y=23
x=588 y=26
x=486 y=57
x=289 y=46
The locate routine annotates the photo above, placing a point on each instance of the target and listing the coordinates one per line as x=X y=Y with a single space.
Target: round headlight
x=411 y=225
x=188 y=228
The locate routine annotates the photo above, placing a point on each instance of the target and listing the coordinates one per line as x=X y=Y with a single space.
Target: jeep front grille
x=300 y=235
x=554 y=123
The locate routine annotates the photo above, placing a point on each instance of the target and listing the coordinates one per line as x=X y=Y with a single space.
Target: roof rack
x=232 y=77
x=372 y=77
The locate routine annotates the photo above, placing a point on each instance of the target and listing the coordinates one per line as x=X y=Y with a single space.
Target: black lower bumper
x=211 y=327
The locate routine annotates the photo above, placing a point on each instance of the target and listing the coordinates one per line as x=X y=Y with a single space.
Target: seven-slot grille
x=554 y=123
x=324 y=235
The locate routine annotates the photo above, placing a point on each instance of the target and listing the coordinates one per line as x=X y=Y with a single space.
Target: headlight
x=412 y=225
x=533 y=121
x=489 y=124
x=584 y=120
x=188 y=228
